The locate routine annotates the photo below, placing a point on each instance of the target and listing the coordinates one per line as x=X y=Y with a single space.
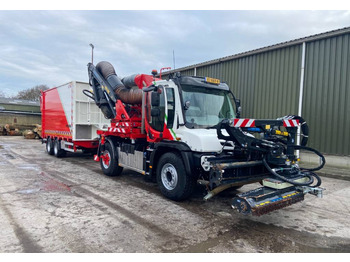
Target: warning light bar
x=212 y=80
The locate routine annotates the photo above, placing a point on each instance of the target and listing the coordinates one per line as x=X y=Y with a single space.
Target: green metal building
x=19 y=112
x=309 y=77
x=19 y=105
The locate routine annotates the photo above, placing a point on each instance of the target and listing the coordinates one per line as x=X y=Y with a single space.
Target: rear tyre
x=49 y=146
x=173 y=180
x=109 y=161
x=57 y=151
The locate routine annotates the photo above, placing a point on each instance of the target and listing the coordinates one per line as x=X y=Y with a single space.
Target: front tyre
x=173 y=180
x=109 y=161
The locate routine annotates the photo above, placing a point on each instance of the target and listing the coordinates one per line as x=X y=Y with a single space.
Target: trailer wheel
x=49 y=146
x=58 y=152
x=172 y=178
x=109 y=161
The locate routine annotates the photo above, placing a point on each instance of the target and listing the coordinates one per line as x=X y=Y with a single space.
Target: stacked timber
x=11 y=130
x=28 y=131
x=37 y=130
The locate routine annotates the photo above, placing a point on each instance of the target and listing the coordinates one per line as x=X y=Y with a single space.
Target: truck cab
x=181 y=119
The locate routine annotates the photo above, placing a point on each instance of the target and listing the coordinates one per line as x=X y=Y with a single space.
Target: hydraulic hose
x=308 y=183
x=319 y=181
x=296 y=147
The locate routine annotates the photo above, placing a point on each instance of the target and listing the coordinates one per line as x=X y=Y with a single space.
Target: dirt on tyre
x=49 y=146
x=173 y=180
x=57 y=150
x=109 y=161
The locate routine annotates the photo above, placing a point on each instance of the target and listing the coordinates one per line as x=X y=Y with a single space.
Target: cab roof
x=201 y=81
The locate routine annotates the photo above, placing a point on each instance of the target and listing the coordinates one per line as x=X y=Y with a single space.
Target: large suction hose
x=126 y=95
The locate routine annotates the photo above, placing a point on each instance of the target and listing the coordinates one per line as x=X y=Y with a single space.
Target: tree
x=32 y=94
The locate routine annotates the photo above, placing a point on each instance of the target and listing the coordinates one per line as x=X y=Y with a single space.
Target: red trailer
x=70 y=120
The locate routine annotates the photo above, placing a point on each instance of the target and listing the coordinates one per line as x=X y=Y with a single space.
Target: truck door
x=160 y=112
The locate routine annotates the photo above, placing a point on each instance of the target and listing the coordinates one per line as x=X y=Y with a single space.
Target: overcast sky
x=52 y=47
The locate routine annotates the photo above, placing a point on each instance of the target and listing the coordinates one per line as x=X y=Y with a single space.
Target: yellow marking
x=150 y=166
x=267 y=127
x=106 y=89
x=212 y=80
x=280 y=133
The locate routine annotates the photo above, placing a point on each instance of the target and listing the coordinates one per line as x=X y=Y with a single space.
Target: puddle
x=52 y=185
x=29 y=191
x=48 y=186
x=9 y=156
x=28 y=166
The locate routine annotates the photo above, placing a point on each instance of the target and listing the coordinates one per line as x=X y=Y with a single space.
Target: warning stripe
x=58 y=133
x=116 y=129
x=243 y=122
x=291 y=123
x=122 y=124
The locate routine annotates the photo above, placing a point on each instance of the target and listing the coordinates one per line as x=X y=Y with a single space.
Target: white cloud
x=52 y=47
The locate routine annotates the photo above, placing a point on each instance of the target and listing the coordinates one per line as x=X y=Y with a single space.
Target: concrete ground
x=66 y=205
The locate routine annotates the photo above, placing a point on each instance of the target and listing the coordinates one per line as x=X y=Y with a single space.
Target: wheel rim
x=106 y=160
x=48 y=145
x=169 y=176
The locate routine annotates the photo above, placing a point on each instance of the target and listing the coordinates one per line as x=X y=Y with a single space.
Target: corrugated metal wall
x=268 y=84
x=326 y=94
x=20 y=107
x=189 y=72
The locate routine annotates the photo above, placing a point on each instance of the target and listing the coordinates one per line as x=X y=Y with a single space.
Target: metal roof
x=15 y=101
x=265 y=49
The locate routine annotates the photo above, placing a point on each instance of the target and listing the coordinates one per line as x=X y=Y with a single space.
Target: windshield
x=206 y=107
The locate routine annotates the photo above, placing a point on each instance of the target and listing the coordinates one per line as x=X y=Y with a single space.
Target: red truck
x=187 y=130
x=70 y=120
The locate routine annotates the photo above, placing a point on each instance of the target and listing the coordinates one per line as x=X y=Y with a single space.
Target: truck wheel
x=57 y=151
x=172 y=178
x=109 y=161
x=49 y=146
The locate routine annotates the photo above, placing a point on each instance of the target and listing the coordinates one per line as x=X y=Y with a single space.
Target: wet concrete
x=67 y=205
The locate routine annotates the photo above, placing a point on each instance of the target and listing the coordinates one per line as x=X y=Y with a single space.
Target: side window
x=171 y=106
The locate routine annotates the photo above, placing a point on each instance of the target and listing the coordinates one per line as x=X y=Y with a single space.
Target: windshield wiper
x=214 y=126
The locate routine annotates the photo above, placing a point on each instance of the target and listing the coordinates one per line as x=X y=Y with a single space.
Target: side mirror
x=155 y=112
x=155 y=99
x=187 y=105
x=238 y=108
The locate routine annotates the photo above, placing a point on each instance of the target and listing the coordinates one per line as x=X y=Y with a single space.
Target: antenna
x=92 y=53
x=174 y=59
